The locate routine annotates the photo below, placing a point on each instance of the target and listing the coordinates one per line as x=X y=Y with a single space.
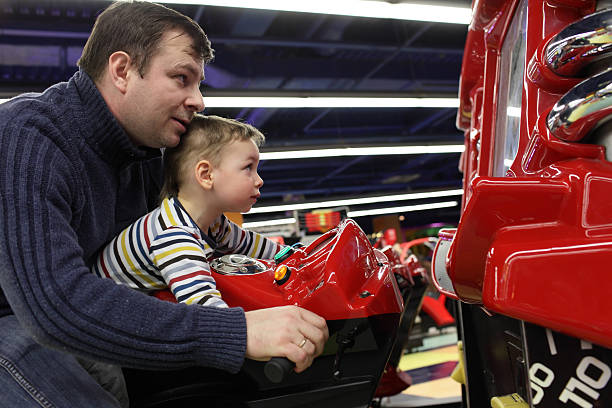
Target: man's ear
x=204 y=174
x=119 y=64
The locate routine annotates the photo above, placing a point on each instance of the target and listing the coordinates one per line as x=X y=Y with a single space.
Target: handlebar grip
x=278 y=368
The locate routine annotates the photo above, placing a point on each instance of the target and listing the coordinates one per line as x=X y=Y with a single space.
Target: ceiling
x=270 y=52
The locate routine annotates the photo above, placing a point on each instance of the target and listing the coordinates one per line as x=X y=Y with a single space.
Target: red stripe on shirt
x=190 y=275
x=146 y=232
x=103 y=265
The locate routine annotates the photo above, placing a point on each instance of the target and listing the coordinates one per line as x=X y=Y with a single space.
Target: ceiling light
x=355 y=214
x=323 y=102
x=362 y=151
x=326 y=102
x=355 y=201
x=355 y=8
x=409 y=208
x=267 y=223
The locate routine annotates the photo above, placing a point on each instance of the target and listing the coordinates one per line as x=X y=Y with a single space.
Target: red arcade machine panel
x=529 y=258
x=536 y=227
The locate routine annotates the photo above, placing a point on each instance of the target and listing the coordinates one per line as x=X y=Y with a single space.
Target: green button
x=285 y=253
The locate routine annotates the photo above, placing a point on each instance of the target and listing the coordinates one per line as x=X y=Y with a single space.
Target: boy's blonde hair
x=204 y=139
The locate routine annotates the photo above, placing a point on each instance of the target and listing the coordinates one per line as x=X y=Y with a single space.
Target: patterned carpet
x=430 y=371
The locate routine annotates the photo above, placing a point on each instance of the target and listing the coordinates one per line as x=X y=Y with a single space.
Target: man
x=78 y=163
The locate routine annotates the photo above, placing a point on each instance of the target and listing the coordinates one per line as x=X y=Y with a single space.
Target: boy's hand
x=286 y=331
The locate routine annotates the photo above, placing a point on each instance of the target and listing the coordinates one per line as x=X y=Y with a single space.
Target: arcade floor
x=430 y=366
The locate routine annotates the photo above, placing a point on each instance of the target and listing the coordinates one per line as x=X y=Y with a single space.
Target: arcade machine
x=340 y=277
x=529 y=258
x=423 y=310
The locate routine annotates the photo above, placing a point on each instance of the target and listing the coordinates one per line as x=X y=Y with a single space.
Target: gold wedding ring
x=302 y=343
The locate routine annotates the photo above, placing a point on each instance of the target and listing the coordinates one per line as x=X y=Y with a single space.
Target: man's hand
x=287 y=331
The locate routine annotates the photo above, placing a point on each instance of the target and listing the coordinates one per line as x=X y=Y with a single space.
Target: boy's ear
x=203 y=174
x=119 y=64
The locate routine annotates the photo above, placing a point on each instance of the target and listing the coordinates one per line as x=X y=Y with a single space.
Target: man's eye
x=182 y=78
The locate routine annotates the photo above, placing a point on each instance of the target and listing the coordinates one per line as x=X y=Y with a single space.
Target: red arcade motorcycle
x=340 y=277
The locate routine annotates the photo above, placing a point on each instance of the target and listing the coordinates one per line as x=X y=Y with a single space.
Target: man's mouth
x=183 y=122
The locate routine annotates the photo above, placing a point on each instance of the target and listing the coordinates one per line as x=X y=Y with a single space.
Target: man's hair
x=136 y=27
x=206 y=136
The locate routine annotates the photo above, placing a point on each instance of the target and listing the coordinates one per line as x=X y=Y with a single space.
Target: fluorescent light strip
x=355 y=8
x=409 y=208
x=355 y=214
x=323 y=102
x=355 y=201
x=361 y=151
x=266 y=223
x=327 y=102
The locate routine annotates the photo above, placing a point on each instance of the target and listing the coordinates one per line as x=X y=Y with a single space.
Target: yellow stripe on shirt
x=162 y=255
x=196 y=299
x=131 y=264
x=228 y=231
x=168 y=212
x=255 y=246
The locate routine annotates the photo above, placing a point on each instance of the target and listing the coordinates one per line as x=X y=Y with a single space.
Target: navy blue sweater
x=70 y=180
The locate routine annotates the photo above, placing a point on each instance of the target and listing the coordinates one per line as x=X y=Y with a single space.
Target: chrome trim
x=580 y=44
x=580 y=109
x=602 y=136
x=440 y=274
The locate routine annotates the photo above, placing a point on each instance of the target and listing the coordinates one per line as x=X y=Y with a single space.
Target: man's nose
x=195 y=101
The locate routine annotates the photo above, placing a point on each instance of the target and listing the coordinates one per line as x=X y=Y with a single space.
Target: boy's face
x=161 y=104
x=235 y=180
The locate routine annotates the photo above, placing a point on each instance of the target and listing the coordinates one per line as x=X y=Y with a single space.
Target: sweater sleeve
x=62 y=304
x=182 y=262
x=233 y=239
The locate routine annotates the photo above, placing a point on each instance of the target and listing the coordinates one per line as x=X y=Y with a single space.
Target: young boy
x=213 y=170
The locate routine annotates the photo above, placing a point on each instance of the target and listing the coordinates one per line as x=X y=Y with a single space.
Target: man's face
x=160 y=105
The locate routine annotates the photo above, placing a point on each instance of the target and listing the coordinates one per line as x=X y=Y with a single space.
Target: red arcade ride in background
x=530 y=257
x=414 y=281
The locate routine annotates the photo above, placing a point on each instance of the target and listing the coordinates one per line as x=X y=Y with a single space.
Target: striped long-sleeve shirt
x=165 y=249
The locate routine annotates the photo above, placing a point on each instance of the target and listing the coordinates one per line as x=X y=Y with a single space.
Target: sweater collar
x=102 y=131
